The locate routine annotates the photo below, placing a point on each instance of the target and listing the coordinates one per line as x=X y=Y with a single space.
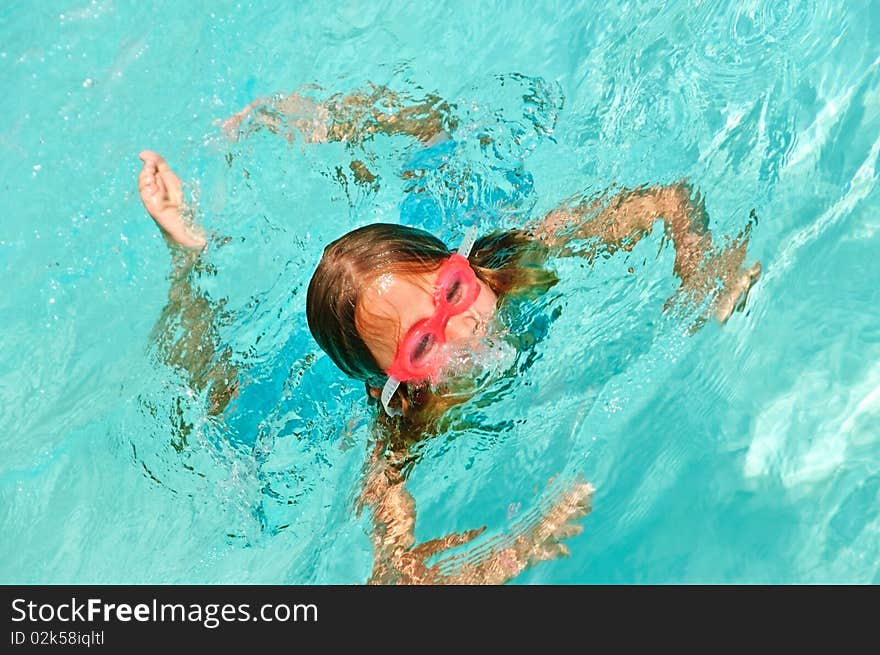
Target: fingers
x=459 y=538
x=745 y=233
x=164 y=177
x=160 y=184
x=435 y=546
x=549 y=551
x=147 y=179
x=170 y=184
x=567 y=530
x=151 y=187
x=151 y=157
x=580 y=499
x=157 y=178
x=751 y=275
x=469 y=535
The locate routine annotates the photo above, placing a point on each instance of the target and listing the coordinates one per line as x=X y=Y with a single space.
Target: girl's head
x=374 y=283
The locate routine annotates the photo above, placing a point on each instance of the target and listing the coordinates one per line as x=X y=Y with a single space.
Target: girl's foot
x=162 y=195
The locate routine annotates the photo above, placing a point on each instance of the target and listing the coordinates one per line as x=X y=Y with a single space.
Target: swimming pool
x=744 y=453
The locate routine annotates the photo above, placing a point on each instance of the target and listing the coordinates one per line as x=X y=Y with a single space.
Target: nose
x=463 y=327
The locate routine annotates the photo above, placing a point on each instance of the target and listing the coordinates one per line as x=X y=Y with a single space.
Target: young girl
x=395 y=307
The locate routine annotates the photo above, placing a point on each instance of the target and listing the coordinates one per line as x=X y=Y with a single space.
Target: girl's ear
x=375 y=392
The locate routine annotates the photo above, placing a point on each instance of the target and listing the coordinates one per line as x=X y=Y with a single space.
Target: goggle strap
x=467 y=244
x=387 y=392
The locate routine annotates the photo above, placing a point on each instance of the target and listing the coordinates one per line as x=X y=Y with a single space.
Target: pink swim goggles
x=419 y=355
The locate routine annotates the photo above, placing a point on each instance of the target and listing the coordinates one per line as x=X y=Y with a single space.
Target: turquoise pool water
x=744 y=453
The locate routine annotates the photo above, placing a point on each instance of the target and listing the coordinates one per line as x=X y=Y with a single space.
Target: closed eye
x=453 y=292
x=422 y=347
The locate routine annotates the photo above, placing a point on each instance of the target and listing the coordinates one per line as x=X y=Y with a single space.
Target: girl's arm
x=397 y=559
x=621 y=221
x=186 y=335
x=393 y=514
x=533 y=541
x=353 y=118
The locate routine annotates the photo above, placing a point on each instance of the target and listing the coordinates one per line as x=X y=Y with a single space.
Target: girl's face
x=394 y=302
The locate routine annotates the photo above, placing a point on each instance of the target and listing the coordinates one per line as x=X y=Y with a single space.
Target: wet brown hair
x=509 y=262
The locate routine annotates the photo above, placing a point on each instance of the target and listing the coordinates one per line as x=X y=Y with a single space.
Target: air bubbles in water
x=473 y=365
